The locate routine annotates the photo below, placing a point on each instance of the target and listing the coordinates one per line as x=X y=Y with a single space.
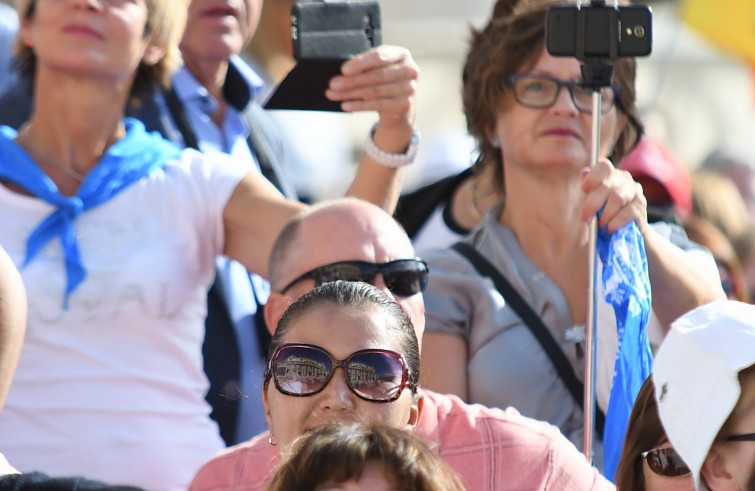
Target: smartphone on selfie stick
x=596 y=34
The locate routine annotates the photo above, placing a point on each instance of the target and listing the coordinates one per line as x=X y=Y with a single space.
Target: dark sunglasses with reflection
x=667 y=462
x=375 y=375
x=404 y=277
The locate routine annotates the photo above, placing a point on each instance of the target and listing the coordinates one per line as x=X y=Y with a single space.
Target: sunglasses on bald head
x=375 y=375
x=403 y=277
x=665 y=462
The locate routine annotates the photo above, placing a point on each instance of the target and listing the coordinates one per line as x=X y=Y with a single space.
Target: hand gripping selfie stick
x=596 y=35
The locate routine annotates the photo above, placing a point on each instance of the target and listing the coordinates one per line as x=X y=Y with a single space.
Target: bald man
x=490 y=449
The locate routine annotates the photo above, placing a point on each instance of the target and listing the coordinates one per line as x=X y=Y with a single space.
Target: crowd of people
x=173 y=316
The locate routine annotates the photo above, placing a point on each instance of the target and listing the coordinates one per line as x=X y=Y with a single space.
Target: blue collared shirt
x=243 y=290
x=231 y=138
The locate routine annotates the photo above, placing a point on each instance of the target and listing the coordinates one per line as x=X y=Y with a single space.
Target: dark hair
x=512 y=39
x=644 y=432
x=333 y=454
x=353 y=295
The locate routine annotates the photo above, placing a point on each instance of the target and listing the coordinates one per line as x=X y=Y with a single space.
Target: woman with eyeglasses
x=530 y=114
x=648 y=461
x=343 y=352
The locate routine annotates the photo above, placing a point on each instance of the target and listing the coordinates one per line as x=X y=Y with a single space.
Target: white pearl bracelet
x=388 y=159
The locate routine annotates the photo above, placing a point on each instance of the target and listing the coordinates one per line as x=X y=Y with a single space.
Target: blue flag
x=627 y=290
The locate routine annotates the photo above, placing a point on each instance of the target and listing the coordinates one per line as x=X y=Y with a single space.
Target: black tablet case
x=324 y=34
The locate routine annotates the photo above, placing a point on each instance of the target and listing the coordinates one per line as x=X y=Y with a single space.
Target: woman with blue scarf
x=116 y=232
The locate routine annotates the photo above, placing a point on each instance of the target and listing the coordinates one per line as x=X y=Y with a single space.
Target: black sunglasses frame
x=367 y=273
x=653 y=457
x=407 y=378
x=570 y=85
x=747 y=437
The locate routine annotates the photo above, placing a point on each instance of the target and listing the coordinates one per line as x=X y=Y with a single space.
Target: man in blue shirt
x=212 y=107
x=215 y=91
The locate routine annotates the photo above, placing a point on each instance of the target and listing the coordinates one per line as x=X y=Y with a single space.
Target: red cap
x=652 y=160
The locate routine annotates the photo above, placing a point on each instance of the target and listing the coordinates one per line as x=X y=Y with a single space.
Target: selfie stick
x=590 y=337
x=596 y=73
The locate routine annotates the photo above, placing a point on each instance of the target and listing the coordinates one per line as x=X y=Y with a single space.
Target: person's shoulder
x=414 y=208
x=245 y=466
x=206 y=165
x=500 y=425
x=449 y=267
x=525 y=453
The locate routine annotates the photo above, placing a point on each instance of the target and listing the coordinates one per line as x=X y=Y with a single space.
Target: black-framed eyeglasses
x=665 y=462
x=404 y=277
x=375 y=375
x=747 y=437
x=541 y=92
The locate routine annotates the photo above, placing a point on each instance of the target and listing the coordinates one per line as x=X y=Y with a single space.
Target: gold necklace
x=41 y=157
x=473 y=209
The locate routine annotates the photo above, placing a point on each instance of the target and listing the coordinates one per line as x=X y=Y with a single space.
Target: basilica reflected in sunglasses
x=375 y=375
x=312 y=372
x=665 y=462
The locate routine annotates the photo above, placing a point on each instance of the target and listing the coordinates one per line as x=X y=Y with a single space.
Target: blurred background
x=696 y=90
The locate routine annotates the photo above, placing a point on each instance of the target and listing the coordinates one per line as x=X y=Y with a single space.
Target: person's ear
x=492 y=137
x=276 y=305
x=153 y=54
x=416 y=412
x=25 y=32
x=714 y=472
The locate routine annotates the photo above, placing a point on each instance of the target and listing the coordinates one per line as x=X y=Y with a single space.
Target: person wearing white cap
x=704 y=377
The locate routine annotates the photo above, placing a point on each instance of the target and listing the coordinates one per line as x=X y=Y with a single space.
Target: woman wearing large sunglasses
x=342 y=352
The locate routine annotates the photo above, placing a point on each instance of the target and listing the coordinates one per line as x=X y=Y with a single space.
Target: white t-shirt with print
x=113 y=388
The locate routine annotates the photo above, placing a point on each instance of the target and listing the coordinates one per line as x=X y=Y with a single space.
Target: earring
x=271 y=440
x=495 y=141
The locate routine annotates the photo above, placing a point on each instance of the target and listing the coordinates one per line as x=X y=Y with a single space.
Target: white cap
x=696 y=375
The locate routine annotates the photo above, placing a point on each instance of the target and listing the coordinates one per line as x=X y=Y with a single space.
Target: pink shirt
x=490 y=449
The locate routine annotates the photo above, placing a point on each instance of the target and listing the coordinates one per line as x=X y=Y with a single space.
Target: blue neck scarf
x=133 y=157
x=627 y=289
